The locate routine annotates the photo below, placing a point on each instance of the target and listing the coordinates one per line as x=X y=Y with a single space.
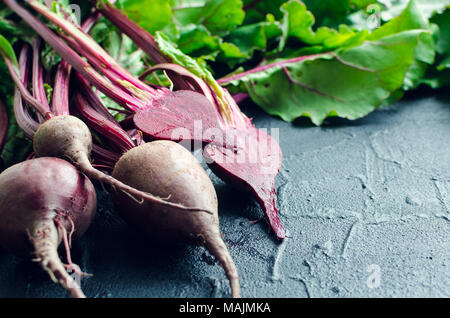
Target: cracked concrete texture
x=366 y=204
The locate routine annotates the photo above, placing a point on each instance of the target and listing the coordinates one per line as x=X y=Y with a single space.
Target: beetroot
x=169 y=170
x=45 y=202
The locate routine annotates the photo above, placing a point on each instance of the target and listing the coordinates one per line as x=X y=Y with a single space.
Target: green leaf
x=411 y=18
x=7 y=26
x=230 y=51
x=297 y=23
x=218 y=16
x=424 y=54
x=427 y=7
x=439 y=75
x=196 y=38
x=249 y=38
x=196 y=67
x=328 y=12
x=171 y=31
x=119 y=46
x=178 y=57
x=257 y=11
x=443 y=42
x=152 y=15
x=197 y=27
x=350 y=83
x=17 y=147
x=332 y=13
x=7 y=50
x=359 y=4
x=240 y=44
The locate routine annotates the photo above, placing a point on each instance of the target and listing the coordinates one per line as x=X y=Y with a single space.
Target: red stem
x=38 y=106
x=60 y=100
x=106 y=128
x=103 y=156
x=90 y=21
x=144 y=40
x=23 y=118
x=103 y=167
x=37 y=79
x=226 y=80
x=191 y=82
x=147 y=43
x=3 y=126
x=138 y=97
x=92 y=98
x=240 y=97
x=70 y=55
x=132 y=103
x=140 y=37
x=90 y=46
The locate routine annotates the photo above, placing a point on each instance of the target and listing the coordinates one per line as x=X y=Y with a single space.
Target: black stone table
x=366 y=202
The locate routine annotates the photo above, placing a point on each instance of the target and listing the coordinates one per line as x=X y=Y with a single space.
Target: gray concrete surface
x=367 y=204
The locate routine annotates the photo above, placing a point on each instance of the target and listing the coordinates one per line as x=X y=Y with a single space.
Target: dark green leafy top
x=293 y=58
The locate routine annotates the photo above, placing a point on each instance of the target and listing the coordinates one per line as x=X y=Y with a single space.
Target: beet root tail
x=216 y=246
x=44 y=237
x=271 y=213
x=267 y=198
x=87 y=168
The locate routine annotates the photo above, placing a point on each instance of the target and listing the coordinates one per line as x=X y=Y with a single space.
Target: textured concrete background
x=367 y=204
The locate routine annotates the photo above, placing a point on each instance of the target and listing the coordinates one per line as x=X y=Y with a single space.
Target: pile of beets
x=157 y=185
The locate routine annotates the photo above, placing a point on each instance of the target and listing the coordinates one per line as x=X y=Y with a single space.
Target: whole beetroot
x=45 y=202
x=168 y=170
